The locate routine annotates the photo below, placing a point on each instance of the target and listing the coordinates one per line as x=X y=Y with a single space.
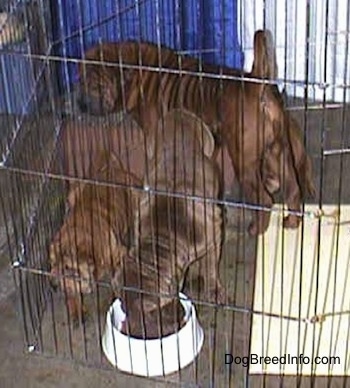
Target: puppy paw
x=260 y=223
x=80 y=319
x=291 y=222
x=221 y=297
x=253 y=229
x=217 y=295
x=256 y=228
x=77 y=312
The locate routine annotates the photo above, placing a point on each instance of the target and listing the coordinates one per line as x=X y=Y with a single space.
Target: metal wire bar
x=234 y=204
x=55 y=58
x=40 y=304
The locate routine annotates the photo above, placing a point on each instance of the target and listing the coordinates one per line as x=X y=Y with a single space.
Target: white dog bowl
x=154 y=357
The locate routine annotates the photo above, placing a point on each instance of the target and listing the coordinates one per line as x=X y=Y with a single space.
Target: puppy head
x=157 y=323
x=72 y=268
x=101 y=85
x=147 y=316
x=128 y=278
x=98 y=91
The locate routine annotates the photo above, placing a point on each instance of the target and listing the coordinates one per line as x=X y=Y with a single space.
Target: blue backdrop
x=206 y=28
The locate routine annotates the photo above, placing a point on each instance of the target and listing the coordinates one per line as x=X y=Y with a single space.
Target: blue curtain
x=204 y=28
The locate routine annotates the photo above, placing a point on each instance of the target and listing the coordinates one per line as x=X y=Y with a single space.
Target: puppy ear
x=265 y=64
x=207 y=139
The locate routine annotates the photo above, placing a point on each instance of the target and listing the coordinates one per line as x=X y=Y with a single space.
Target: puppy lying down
x=95 y=234
x=173 y=232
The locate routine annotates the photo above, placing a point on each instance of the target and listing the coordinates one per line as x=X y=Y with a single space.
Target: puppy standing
x=94 y=237
x=233 y=109
x=174 y=231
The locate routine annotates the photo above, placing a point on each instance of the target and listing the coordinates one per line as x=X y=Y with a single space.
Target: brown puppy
x=234 y=112
x=94 y=236
x=82 y=140
x=173 y=232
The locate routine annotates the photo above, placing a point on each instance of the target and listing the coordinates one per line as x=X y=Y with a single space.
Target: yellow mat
x=293 y=280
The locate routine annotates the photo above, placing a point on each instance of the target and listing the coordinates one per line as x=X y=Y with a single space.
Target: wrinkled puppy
x=95 y=234
x=84 y=139
x=174 y=231
x=234 y=109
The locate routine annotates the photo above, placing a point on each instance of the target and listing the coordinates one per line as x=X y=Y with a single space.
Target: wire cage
x=286 y=291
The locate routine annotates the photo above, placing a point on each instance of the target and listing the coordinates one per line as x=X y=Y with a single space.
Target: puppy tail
x=265 y=64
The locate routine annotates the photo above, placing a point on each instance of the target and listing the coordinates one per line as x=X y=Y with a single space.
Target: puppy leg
x=293 y=193
x=292 y=221
x=214 y=287
x=216 y=291
x=76 y=309
x=249 y=176
x=257 y=195
x=293 y=200
x=223 y=161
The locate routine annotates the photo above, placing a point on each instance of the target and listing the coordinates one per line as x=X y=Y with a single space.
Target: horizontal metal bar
x=336 y=151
